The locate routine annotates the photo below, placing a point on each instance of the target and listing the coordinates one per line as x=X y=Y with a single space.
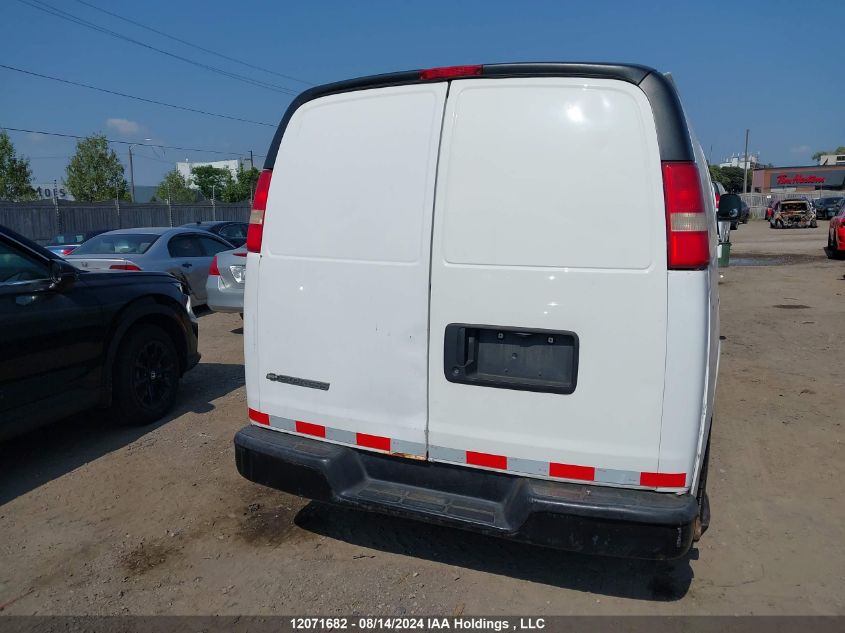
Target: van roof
x=672 y=132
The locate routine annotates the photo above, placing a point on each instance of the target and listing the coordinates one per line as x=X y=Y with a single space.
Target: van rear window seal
x=673 y=136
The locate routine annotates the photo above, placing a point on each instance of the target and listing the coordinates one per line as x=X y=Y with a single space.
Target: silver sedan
x=225 y=285
x=183 y=252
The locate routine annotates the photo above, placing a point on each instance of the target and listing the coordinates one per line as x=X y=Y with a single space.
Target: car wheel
x=779 y=224
x=745 y=220
x=146 y=376
x=734 y=226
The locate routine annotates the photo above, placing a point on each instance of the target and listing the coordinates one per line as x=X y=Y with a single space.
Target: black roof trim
x=672 y=133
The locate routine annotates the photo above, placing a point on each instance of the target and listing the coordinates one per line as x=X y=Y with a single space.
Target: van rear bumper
x=580 y=518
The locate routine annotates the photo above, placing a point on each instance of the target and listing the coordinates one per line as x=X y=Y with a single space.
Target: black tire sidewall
x=126 y=406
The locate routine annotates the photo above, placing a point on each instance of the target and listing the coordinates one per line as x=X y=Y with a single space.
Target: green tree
x=241 y=187
x=838 y=150
x=716 y=174
x=174 y=187
x=732 y=178
x=211 y=181
x=95 y=173
x=15 y=174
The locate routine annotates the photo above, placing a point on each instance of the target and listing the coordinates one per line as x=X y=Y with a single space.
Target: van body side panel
x=685 y=391
x=549 y=215
x=342 y=316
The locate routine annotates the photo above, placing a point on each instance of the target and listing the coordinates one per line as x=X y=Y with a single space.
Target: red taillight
x=255 y=232
x=124 y=267
x=717 y=200
x=239 y=254
x=213 y=269
x=66 y=251
x=688 y=241
x=451 y=71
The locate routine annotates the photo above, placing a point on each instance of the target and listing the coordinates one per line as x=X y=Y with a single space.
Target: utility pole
x=132 y=173
x=251 y=164
x=745 y=165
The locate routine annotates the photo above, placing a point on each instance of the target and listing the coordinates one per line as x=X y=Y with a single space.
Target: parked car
x=771 y=209
x=232 y=232
x=65 y=243
x=737 y=212
x=826 y=208
x=718 y=191
x=836 y=235
x=184 y=253
x=794 y=213
x=433 y=330
x=75 y=340
x=226 y=277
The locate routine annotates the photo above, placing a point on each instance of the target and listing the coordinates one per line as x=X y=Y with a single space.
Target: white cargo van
x=439 y=325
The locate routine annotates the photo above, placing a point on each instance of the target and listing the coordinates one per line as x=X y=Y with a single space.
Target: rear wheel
x=146 y=376
x=734 y=226
x=703 y=521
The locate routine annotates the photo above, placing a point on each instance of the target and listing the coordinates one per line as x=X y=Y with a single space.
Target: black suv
x=826 y=208
x=74 y=340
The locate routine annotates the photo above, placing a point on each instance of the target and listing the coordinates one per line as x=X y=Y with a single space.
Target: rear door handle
x=186 y=264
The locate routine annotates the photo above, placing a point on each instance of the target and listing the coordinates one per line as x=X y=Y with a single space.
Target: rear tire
x=734 y=226
x=146 y=376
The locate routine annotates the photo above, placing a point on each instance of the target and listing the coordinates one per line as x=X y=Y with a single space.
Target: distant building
x=738 y=160
x=801 y=179
x=186 y=168
x=832 y=159
x=51 y=190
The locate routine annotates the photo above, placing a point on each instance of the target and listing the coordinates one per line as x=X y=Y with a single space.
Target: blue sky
x=775 y=67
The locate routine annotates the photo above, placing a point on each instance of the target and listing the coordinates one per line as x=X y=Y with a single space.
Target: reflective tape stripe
x=373 y=441
x=487 y=460
x=518 y=465
x=570 y=471
x=308 y=428
x=257 y=416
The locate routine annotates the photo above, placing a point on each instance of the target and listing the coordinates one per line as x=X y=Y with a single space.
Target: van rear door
x=341 y=325
x=549 y=280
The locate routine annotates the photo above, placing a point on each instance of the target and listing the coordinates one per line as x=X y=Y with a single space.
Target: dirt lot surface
x=103 y=520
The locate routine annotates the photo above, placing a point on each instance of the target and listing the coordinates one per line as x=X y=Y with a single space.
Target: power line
x=122 y=94
x=184 y=149
x=197 y=46
x=51 y=10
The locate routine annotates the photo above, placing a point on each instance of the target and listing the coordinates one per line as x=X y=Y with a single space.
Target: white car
x=433 y=328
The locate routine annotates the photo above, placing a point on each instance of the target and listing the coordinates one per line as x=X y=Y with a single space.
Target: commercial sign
x=828 y=179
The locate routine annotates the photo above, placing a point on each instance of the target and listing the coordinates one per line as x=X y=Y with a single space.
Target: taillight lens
x=66 y=251
x=450 y=71
x=688 y=242
x=213 y=269
x=255 y=232
x=129 y=266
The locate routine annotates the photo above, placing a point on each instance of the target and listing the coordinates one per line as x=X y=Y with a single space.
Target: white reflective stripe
x=688 y=222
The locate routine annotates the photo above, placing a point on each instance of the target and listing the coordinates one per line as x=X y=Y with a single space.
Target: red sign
x=798 y=179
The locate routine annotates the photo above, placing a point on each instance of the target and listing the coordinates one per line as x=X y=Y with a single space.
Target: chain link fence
x=41 y=220
x=759 y=202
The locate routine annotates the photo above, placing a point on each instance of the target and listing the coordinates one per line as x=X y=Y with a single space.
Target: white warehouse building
x=186 y=168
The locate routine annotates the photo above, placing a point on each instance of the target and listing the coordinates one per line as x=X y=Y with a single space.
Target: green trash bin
x=724 y=254
x=724 y=244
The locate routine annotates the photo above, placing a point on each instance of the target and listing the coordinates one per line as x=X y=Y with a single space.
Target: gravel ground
x=97 y=519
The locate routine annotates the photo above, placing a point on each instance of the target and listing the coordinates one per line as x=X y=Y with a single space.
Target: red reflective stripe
x=488 y=460
x=663 y=480
x=257 y=416
x=373 y=441
x=316 y=430
x=569 y=471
